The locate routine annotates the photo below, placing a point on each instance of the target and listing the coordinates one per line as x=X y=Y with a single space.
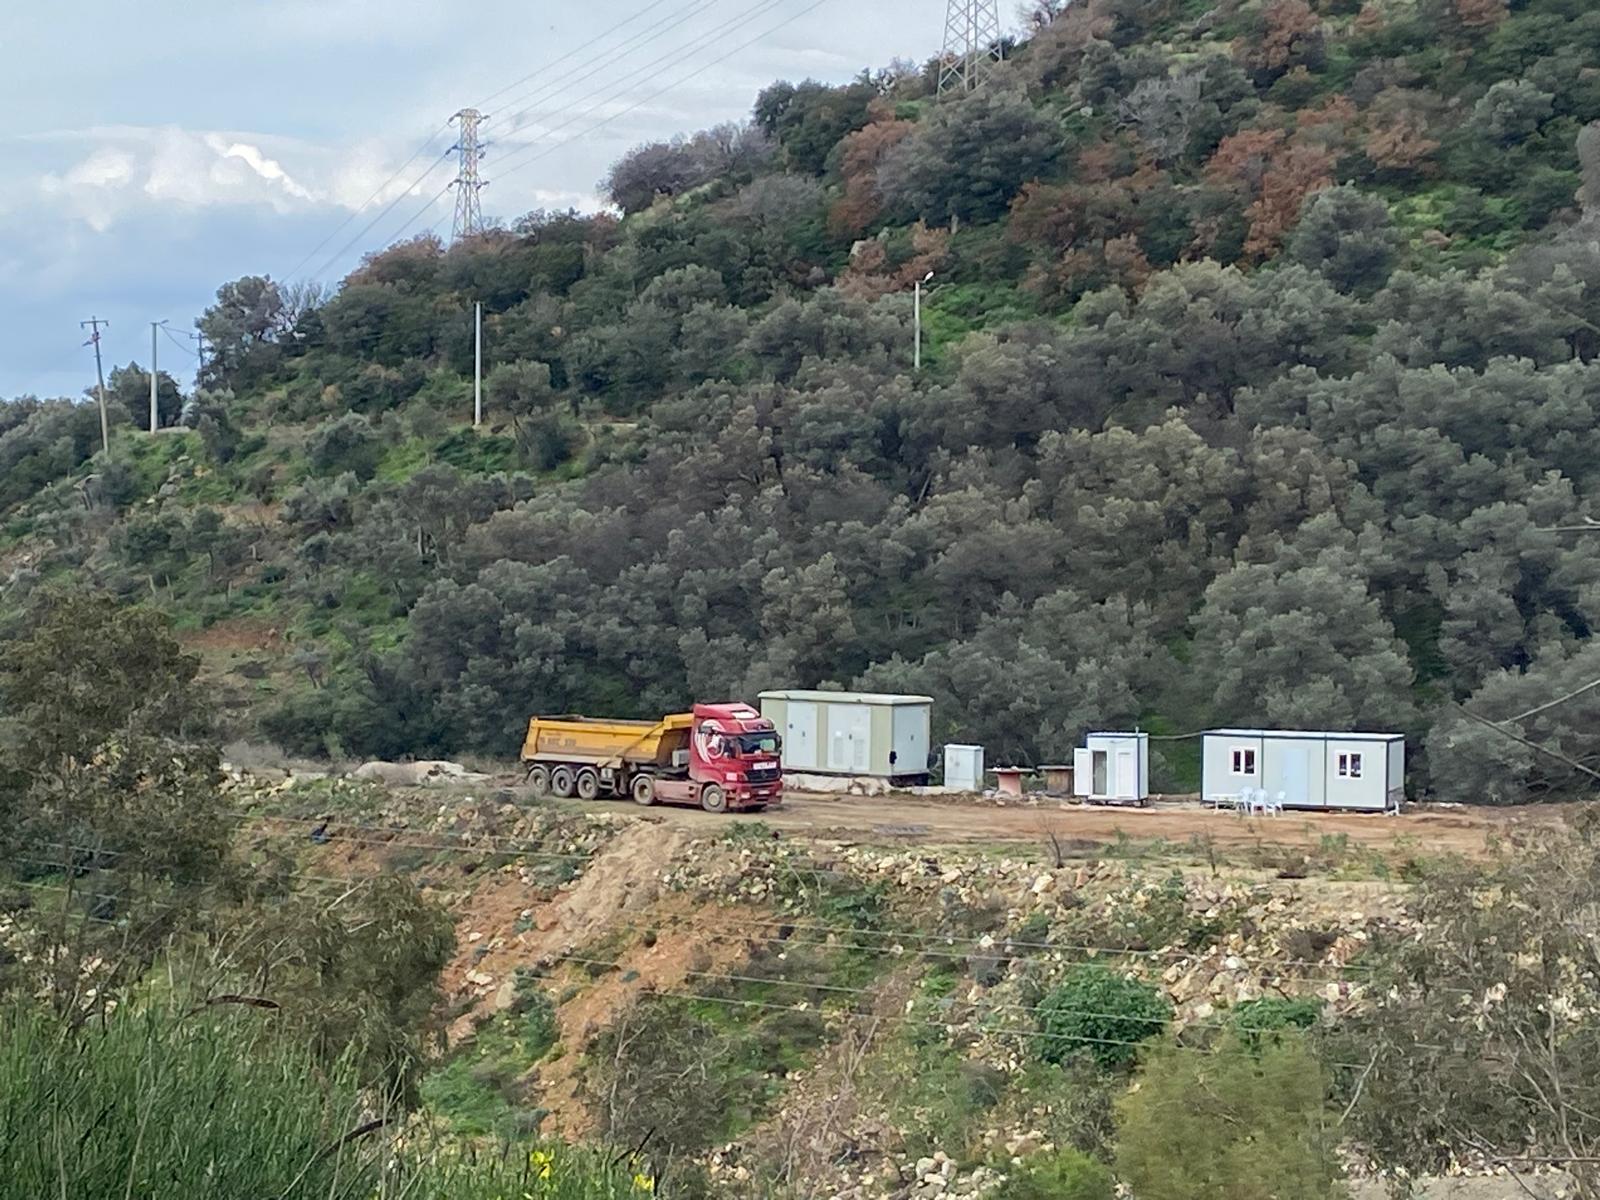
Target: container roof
x=882 y=698
x=1312 y=734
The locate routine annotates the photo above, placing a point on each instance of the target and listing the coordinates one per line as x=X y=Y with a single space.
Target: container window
x=1244 y=760
x=1349 y=766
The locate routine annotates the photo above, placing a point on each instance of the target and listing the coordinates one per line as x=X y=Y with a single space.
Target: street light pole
x=477 y=365
x=916 y=354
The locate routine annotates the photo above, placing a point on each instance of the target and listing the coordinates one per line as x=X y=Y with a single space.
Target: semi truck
x=723 y=757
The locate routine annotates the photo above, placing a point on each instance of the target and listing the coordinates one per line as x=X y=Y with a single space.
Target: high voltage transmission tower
x=469 y=213
x=972 y=47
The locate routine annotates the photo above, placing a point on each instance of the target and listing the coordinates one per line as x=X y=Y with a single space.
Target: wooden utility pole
x=155 y=409
x=93 y=324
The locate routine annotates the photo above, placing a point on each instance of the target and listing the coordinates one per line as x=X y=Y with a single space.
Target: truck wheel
x=562 y=782
x=587 y=783
x=713 y=799
x=644 y=790
x=539 y=781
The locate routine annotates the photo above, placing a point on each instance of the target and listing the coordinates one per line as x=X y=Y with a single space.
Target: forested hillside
x=1260 y=386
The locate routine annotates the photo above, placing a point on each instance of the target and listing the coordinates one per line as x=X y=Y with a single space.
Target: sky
x=158 y=149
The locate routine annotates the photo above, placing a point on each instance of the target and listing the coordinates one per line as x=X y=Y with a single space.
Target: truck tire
x=562 y=782
x=539 y=781
x=644 y=790
x=713 y=799
x=587 y=784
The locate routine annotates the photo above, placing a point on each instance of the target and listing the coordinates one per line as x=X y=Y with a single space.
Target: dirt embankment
x=618 y=896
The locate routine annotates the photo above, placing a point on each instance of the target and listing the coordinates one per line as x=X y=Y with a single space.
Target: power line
x=838 y=990
x=173 y=338
x=387 y=209
x=531 y=100
x=381 y=188
x=389 y=182
x=612 y=54
x=694 y=46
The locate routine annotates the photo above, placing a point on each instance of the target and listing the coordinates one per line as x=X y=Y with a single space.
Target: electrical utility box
x=1113 y=767
x=963 y=768
x=862 y=734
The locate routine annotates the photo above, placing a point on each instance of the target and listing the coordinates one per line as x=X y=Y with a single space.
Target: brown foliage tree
x=1398 y=131
x=1290 y=30
x=863 y=152
x=1481 y=14
x=1297 y=173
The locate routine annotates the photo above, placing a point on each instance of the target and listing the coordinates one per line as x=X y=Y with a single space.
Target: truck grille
x=764 y=774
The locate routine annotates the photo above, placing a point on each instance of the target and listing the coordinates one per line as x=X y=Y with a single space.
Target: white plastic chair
x=1276 y=804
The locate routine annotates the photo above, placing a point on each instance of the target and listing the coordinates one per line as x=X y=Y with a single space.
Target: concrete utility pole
x=972 y=47
x=477 y=365
x=916 y=308
x=469 y=213
x=155 y=404
x=93 y=324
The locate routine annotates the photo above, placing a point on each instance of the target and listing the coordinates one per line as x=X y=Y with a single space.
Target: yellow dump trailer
x=583 y=756
x=723 y=757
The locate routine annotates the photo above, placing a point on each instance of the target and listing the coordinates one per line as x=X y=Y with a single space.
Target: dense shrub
x=1101 y=1013
x=1060 y=1175
x=1236 y=1124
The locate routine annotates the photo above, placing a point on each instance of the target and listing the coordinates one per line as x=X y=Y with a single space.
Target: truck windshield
x=758 y=743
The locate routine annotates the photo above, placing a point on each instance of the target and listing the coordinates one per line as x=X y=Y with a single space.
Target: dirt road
x=913 y=818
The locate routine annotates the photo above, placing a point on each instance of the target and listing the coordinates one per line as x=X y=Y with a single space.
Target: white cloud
x=132 y=168
x=263 y=166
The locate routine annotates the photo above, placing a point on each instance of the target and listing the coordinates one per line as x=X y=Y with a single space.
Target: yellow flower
x=644 y=1183
x=541 y=1161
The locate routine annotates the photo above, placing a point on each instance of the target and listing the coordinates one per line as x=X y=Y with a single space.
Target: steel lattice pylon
x=972 y=46
x=469 y=213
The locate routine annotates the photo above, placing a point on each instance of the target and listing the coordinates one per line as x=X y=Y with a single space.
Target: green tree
x=107 y=794
x=129 y=387
x=1239 y=1123
x=1349 y=238
x=1300 y=642
x=969 y=160
x=350 y=444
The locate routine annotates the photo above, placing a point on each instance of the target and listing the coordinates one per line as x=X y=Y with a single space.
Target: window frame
x=1351 y=764
x=1243 y=761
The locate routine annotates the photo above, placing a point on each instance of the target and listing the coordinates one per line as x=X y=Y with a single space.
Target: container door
x=800 y=736
x=849 y=738
x=1297 y=776
x=909 y=725
x=1127 y=776
x=1082 y=771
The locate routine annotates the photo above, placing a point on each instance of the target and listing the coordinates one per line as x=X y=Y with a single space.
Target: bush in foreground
x=221 y=1106
x=1239 y=1123
x=1064 y=1175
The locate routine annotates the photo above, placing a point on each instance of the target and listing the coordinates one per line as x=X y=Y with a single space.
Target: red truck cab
x=733 y=758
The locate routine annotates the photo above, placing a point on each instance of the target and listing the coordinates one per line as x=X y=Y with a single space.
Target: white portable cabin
x=1112 y=766
x=864 y=734
x=1362 y=772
